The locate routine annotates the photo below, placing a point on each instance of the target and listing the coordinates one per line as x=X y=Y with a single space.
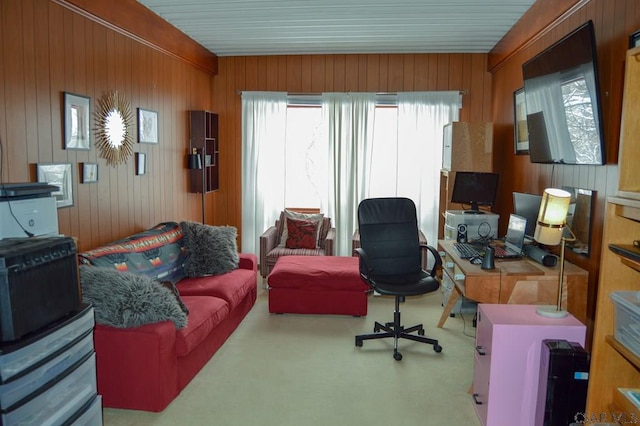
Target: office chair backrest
x=389 y=236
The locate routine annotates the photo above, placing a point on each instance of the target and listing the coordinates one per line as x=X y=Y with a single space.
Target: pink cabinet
x=507 y=360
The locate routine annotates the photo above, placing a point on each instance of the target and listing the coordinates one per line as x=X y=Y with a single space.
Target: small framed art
x=77 y=118
x=147 y=126
x=60 y=175
x=89 y=172
x=141 y=163
x=520 y=130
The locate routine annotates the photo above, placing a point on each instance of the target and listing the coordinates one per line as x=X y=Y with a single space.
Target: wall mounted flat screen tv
x=562 y=97
x=475 y=189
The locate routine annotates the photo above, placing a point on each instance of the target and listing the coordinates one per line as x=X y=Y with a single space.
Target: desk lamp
x=549 y=231
x=194 y=162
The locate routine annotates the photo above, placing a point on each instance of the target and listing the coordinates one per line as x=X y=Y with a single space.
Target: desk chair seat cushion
x=405 y=285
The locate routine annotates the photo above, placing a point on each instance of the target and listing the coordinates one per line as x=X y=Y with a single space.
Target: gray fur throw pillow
x=125 y=299
x=211 y=250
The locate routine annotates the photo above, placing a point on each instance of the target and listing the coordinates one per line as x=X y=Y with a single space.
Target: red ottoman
x=317 y=285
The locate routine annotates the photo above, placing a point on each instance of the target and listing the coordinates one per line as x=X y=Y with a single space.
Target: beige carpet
x=300 y=370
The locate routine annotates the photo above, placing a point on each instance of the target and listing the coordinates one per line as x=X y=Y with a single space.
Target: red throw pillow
x=301 y=234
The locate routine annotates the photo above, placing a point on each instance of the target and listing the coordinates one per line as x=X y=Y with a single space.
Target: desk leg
x=455 y=295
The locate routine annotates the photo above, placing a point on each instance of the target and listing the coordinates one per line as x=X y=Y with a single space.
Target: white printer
x=27 y=209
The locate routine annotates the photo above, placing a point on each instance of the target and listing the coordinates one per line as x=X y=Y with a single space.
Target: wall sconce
x=549 y=231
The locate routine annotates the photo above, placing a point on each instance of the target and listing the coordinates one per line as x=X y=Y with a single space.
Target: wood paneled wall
x=613 y=21
x=334 y=73
x=46 y=50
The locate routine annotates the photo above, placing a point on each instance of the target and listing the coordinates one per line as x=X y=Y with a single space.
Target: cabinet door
x=482 y=365
x=468 y=147
x=481 y=374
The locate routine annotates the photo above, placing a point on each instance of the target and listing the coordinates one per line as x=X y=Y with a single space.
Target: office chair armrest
x=436 y=257
x=364 y=260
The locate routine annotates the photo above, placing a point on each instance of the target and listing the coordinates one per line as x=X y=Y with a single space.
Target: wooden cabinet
x=629 y=153
x=466 y=147
x=613 y=365
x=204 y=138
x=506 y=362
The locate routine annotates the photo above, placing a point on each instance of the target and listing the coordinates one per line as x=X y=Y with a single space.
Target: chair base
x=396 y=331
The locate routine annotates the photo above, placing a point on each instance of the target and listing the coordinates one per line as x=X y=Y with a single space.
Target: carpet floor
x=281 y=370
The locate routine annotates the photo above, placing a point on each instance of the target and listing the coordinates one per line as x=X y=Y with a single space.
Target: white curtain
x=421 y=118
x=264 y=124
x=349 y=121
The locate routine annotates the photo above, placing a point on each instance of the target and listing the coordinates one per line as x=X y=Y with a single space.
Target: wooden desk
x=520 y=281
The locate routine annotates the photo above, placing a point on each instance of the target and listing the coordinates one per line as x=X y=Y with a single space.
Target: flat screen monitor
x=527 y=206
x=562 y=97
x=475 y=189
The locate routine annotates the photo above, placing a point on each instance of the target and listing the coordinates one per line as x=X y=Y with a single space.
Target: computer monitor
x=476 y=189
x=527 y=206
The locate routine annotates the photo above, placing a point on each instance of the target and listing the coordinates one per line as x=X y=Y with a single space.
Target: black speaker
x=462 y=233
x=541 y=256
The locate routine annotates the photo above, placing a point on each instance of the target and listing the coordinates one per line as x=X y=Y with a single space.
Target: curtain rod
x=461 y=92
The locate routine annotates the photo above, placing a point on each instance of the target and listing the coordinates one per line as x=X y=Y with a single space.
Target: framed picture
x=147 y=126
x=141 y=163
x=634 y=40
x=60 y=175
x=520 y=130
x=77 y=116
x=89 y=172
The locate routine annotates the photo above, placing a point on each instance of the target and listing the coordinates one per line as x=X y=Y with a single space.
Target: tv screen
x=475 y=188
x=562 y=98
x=527 y=206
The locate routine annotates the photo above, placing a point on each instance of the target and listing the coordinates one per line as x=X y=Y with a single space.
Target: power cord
x=464 y=321
x=28 y=234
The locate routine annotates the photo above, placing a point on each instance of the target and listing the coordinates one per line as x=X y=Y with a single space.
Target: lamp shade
x=552 y=216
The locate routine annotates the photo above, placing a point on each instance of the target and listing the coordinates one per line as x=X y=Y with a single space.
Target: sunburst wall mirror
x=114 y=137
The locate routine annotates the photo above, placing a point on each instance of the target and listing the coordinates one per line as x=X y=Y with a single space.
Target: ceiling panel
x=279 y=27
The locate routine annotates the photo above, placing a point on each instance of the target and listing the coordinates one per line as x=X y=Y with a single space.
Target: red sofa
x=146 y=367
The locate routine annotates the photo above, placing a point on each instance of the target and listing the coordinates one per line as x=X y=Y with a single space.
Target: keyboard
x=466 y=250
x=500 y=251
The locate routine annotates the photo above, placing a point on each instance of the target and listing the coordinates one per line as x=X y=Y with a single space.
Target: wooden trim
x=136 y=21
x=544 y=16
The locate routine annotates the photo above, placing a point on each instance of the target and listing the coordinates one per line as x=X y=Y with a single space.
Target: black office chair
x=390 y=262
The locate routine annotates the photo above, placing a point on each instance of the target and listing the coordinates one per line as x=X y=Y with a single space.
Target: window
x=305 y=155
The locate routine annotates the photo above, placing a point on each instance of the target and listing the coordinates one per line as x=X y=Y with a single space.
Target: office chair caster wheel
x=397 y=356
x=358 y=343
x=421 y=332
x=437 y=348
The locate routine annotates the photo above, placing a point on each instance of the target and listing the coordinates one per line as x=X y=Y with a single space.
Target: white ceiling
x=280 y=27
